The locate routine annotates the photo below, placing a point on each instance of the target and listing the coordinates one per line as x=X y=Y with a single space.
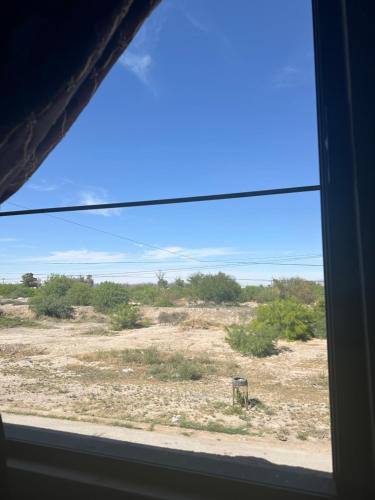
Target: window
x=352 y=471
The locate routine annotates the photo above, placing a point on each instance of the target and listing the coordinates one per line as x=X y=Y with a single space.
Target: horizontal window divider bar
x=162 y=201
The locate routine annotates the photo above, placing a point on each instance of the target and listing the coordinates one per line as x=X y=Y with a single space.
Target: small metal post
x=237 y=383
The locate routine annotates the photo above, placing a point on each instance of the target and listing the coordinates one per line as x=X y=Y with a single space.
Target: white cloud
x=287 y=77
x=92 y=198
x=195 y=253
x=79 y=256
x=7 y=240
x=43 y=186
x=138 y=64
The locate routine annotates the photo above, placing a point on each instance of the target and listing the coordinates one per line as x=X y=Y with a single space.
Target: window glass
x=200 y=326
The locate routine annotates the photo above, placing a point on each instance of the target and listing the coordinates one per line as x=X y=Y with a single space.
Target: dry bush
x=172 y=318
x=20 y=350
x=199 y=324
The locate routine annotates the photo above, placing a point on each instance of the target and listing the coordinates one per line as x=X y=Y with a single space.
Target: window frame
x=58 y=464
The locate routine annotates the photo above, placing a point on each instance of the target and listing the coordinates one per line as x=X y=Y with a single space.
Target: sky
x=207 y=99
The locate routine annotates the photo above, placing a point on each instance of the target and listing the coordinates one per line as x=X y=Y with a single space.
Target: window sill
x=73 y=464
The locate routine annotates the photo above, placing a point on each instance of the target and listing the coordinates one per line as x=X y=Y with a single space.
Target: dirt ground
x=44 y=374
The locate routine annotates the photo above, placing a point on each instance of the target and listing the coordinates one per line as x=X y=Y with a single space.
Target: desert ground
x=89 y=378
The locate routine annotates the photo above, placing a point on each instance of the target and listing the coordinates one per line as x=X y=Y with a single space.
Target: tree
x=162 y=282
x=179 y=283
x=29 y=280
x=217 y=288
x=89 y=281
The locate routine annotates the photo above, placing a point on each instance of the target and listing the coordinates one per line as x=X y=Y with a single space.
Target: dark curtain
x=53 y=57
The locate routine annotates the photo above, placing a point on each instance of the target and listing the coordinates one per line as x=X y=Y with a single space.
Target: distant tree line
x=291 y=308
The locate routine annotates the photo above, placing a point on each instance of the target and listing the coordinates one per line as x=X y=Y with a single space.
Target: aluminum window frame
x=56 y=464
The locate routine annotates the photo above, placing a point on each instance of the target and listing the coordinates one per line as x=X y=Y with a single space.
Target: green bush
x=107 y=295
x=145 y=294
x=217 y=288
x=14 y=291
x=299 y=289
x=125 y=316
x=79 y=294
x=57 y=285
x=51 y=305
x=153 y=295
x=291 y=320
x=165 y=299
x=179 y=367
x=258 y=293
x=252 y=339
x=319 y=319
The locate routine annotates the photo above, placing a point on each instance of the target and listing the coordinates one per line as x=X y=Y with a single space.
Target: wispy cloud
x=7 y=240
x=93 y=198
x=138 y=64
x=288 y=77
x=80 y=256
x=43 y=186
x=196 y=253
x=199 y=22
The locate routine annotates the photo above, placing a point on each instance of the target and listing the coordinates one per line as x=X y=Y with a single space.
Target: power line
x=119 y=236
x=82 y=263
x=201 y=268
x=126 y=238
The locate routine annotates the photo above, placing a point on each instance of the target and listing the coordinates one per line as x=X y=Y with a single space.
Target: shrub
x=57 y=285
x=298 y=289
x=173 y=318
x=165 y=299
x=144 y=294
x=252 y=339
x=79 y=294
x=178 y=367
x=14 y=291
x=319 y=319
x=290 y=319
x=107 y=295
x=259 y=293
x=153 y=295
x=217 y=288
x=51 y=305
x=125 y=316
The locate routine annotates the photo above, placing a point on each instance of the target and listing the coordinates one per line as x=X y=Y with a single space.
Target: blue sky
x=205 y=100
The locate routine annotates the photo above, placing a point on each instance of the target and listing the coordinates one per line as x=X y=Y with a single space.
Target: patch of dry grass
x=16 y=351
x=199 y=324
x=14 y=321
x=99 y=332
x=175 y=366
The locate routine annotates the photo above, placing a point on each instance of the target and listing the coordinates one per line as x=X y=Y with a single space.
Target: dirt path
x=197 y=442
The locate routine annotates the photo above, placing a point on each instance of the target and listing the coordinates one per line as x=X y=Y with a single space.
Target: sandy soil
x=43 y=375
